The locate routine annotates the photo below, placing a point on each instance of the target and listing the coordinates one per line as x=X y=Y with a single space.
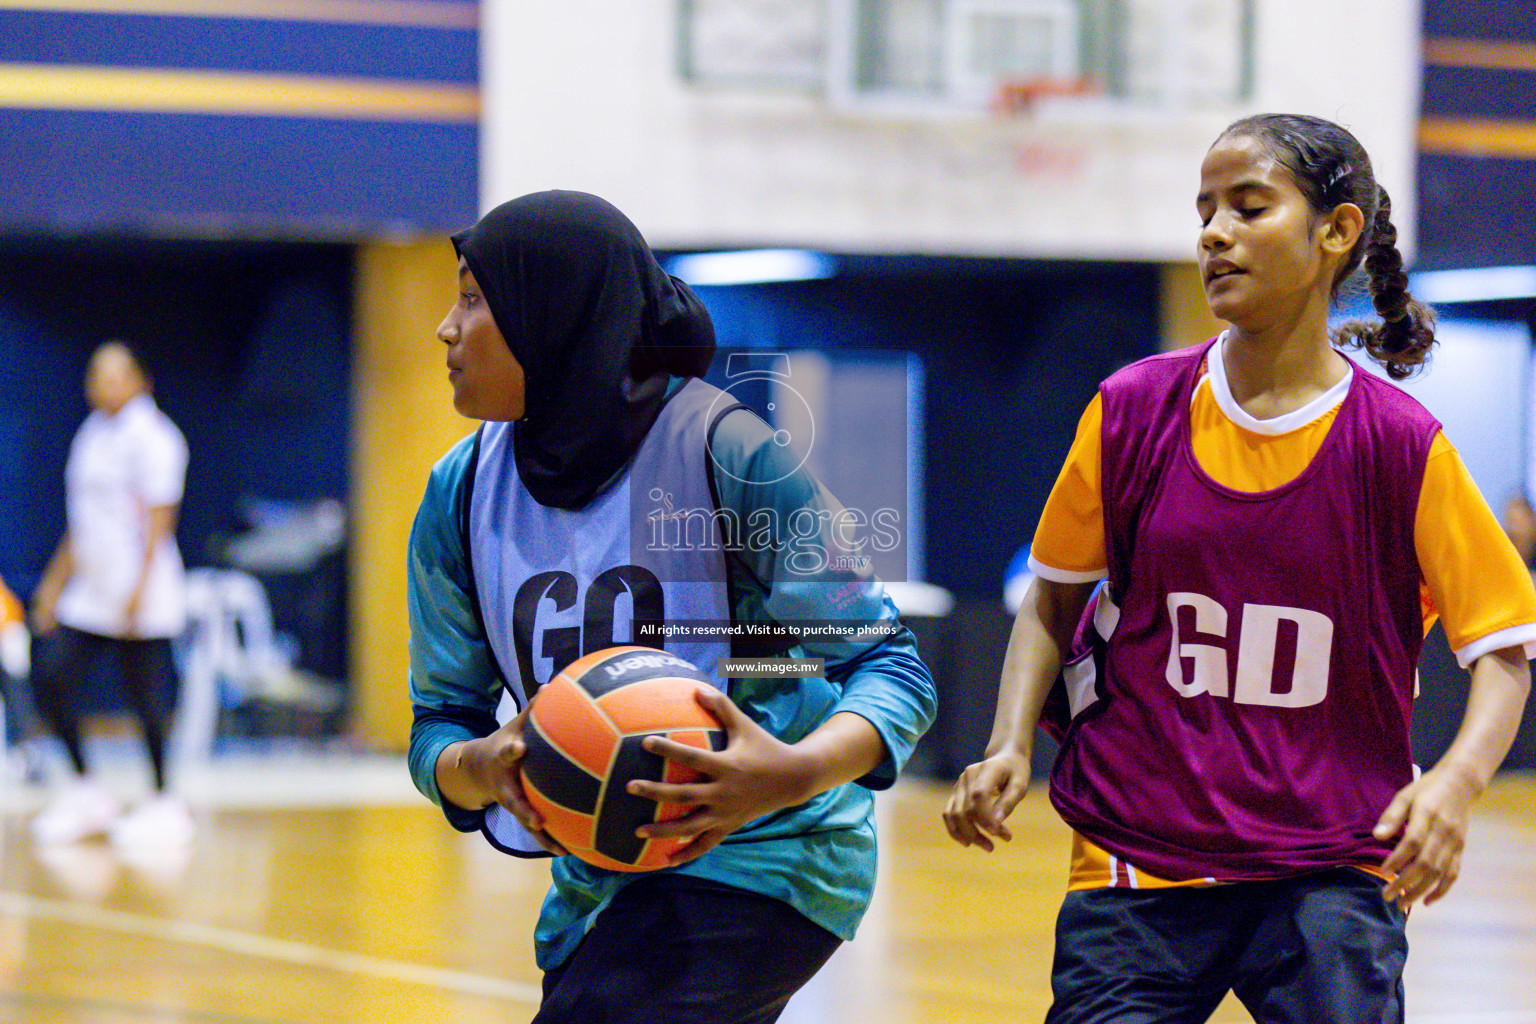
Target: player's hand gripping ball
x=583 y=736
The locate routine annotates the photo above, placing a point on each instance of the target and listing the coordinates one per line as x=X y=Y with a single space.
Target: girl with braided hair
x=1276 y=530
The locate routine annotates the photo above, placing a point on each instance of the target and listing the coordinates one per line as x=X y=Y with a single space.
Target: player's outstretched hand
x=1429 y=817
x=492 y=764
x=983 y=797
x=756 y=774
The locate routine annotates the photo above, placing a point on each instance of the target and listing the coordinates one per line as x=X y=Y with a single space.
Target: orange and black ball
x=584 y=734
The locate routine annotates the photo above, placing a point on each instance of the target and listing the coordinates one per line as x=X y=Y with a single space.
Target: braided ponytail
x=1331 y=167
x=1402 y=340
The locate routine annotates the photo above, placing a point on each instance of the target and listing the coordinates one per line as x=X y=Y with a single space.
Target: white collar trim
x=1216 y=370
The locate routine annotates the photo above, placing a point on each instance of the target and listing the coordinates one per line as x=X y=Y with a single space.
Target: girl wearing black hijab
x=545 y=536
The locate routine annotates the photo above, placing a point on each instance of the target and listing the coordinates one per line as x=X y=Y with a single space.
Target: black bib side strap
x=781 y=639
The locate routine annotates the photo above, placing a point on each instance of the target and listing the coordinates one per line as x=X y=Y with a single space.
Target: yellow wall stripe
x=1482 y=54
x=1478 y=138
x=1184 y=316
x=411 y=13
x=167 y=91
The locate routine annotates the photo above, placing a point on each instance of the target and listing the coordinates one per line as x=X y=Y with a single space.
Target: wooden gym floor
x=328 y=896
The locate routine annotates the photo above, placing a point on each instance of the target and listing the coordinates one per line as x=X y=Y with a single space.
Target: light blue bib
x=557 y=584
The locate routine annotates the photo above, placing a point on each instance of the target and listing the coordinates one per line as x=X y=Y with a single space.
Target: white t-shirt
x=120 y=466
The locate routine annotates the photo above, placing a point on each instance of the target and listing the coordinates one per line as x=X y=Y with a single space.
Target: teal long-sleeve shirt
x=819 y=856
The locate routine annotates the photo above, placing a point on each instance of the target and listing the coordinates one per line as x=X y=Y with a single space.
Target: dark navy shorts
x=1322 y=948
x=671 y=949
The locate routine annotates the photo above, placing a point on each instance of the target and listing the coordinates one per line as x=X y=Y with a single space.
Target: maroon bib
x=1255 y=652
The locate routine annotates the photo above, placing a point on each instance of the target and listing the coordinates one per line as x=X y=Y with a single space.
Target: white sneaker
x=83 y=810
x=160 y=821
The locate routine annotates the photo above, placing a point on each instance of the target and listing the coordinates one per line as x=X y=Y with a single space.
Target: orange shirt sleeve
x=1473 y=576
x=10 y=608
x=1069 y=542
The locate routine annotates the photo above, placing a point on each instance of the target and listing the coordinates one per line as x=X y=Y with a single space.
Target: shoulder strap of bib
x=781 y=640
x=466 y=538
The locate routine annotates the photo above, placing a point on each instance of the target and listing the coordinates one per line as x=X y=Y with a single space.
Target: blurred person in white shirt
x=115 y=584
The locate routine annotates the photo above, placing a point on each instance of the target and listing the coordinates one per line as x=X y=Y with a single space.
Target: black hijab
x=598 y=327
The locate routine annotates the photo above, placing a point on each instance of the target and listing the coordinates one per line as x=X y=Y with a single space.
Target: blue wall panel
x=291 y=47
x=1480 y=19
x=202 y=174
x=1473 y=212
x=1479 y=93
x=239 y=127
x=1474 y=186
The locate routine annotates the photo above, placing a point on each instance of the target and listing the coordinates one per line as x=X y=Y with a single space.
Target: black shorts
x=671 y=949
x=1322 y=948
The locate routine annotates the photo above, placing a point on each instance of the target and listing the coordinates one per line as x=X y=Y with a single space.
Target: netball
x=584 y=735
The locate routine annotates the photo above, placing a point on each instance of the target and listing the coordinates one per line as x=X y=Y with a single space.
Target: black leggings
x=146 y=671
x=1321 y=948
x=672 y=949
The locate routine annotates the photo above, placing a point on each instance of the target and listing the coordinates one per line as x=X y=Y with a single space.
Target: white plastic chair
x=228 y=642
